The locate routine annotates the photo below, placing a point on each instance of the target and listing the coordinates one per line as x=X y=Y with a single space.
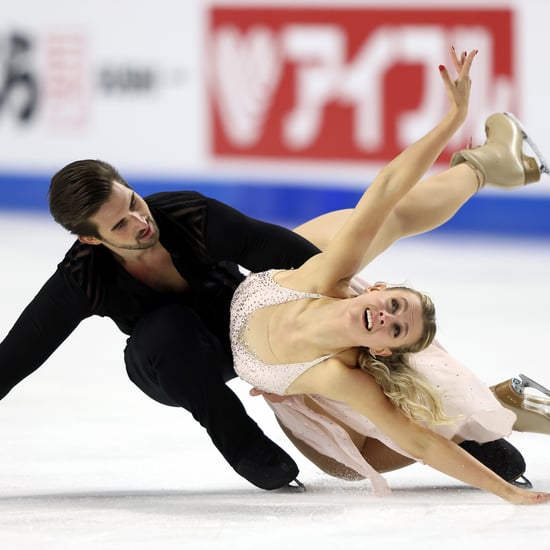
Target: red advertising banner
x=346 y=83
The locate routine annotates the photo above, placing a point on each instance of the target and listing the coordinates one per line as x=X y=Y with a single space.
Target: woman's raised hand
x=458 y=90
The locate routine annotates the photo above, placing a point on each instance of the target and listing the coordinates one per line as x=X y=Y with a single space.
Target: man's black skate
x=501 y=457
x=266 y=465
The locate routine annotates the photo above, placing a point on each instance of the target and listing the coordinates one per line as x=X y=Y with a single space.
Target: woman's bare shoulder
x=344 y=367
x=336 y=377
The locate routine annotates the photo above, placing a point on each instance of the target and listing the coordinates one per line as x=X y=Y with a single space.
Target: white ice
x=88 y=462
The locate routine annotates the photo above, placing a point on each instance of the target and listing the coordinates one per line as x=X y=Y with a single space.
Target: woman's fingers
x=463 y=62
x=467 y=63
x=456 y=61
x=458 y=89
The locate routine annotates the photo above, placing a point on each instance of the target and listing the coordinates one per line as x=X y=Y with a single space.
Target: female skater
x=305 y=331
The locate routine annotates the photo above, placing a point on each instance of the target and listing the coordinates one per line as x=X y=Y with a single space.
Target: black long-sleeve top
x=206 y=240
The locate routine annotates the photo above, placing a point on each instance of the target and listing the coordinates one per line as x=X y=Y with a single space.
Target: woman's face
x=388 y=318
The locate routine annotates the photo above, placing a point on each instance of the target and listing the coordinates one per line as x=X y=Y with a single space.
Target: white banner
x=112 y=79
x=295 y=90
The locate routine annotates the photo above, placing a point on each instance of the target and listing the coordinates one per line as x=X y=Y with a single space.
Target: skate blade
x=295 y=486
x=543 y=164
x=530 y=383
x=522 y=482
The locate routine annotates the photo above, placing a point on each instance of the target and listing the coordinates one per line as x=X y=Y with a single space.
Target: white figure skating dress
x=479 y=416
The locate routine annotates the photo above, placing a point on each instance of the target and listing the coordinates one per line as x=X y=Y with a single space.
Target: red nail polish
x=441 y=67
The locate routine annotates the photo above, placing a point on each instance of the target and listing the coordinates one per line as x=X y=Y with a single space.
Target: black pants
x=176 y=360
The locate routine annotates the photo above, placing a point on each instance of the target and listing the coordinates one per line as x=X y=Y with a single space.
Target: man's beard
x=138 y=245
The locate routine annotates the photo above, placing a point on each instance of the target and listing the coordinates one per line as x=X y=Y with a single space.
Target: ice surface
x=88 y=462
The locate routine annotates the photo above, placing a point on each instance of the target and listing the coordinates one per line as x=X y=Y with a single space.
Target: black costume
x=178 y=351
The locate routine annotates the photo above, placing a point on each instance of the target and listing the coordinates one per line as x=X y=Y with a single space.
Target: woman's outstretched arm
x=345 y=254
x=347 y=250
x=334 y=380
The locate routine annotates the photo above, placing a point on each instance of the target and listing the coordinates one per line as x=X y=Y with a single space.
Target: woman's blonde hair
x=401 y=383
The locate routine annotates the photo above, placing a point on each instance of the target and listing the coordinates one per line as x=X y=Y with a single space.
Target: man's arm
x=253 y=244
x=41 y=328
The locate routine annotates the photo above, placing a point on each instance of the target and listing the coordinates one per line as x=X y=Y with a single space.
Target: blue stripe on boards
x=292 y=204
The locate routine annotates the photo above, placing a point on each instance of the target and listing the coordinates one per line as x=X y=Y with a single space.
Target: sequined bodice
x=257 y=291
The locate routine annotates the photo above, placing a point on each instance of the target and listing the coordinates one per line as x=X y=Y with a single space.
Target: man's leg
x=176 y=361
